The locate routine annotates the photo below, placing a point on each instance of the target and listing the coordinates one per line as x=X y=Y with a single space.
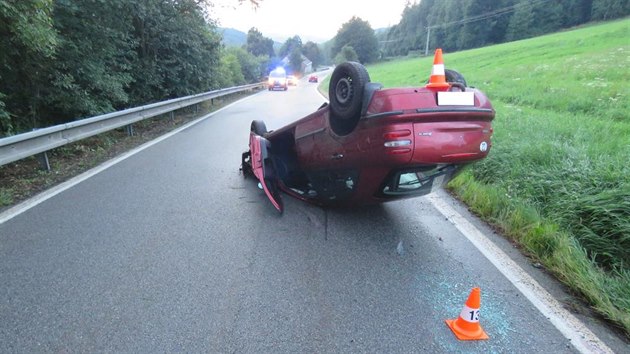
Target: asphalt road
x=171 y=250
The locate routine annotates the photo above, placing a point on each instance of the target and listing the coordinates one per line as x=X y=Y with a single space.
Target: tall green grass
x=558 y=177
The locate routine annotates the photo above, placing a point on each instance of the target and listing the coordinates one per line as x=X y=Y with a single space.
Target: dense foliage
x=290 y=45
x=462 y=24
x=259 y=45
x=67 y=59
x=359 y=35
x=27 y=41
x=312 y=51
x=293 y=54
x=347 y=53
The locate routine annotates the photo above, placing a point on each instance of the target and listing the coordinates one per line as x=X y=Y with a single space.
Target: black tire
x=345 y=92
x=454 y=76
x=258 y=127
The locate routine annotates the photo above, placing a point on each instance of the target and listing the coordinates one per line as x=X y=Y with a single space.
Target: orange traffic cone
x=466 y=326
x=437 y=80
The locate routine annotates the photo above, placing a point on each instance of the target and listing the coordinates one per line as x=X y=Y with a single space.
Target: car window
x=277 y=74
x=419 y=180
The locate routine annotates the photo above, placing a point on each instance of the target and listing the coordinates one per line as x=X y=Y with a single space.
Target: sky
x=312 y=20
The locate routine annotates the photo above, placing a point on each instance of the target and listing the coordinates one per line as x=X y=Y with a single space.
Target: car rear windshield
x=419 y=181
x=277 y=74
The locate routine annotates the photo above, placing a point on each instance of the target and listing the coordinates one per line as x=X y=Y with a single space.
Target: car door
x=322 y=156
x=263 y=169
x=316 y=149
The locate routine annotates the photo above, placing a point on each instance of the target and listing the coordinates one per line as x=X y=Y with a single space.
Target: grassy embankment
x=557 y=179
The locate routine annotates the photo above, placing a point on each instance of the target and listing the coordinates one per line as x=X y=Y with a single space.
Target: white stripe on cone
x=438 y=69
x=469 y=314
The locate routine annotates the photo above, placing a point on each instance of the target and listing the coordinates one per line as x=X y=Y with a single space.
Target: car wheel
x=258 y=127
x=346 y=96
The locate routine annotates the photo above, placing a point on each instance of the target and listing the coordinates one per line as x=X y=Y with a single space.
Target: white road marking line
x=573 y=329
x=49 y=193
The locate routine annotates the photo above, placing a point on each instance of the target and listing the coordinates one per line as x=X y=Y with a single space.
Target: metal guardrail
x=19 y=146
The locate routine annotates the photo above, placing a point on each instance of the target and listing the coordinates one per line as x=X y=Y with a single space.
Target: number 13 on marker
x=469 y=314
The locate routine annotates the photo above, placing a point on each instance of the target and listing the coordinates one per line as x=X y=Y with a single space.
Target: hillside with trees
x=232 y=37
x=463 y=24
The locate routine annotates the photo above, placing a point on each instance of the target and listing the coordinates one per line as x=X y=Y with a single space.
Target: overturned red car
x=372 y=145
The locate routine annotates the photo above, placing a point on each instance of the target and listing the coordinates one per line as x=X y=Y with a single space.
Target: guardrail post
x=43 y=158
x=43 y=161
x=130 y=131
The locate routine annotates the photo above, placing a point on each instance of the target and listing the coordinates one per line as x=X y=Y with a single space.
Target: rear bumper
x=451 y=142
x=436 y=137
x=277 y=85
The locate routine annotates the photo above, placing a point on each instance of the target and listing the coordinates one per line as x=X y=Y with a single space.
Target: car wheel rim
x=343 y=91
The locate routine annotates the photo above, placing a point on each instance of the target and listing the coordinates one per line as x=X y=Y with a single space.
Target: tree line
x=355 y=41
x=63 y=60
x=463 y=24
x=291 y=54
